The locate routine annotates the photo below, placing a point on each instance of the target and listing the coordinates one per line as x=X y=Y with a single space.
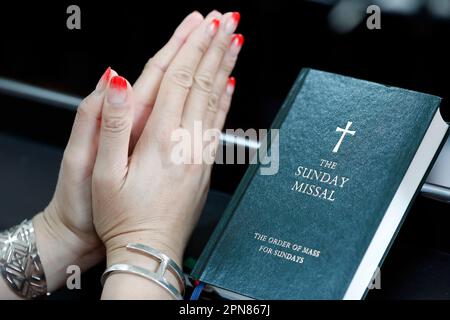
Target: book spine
x=245 y=182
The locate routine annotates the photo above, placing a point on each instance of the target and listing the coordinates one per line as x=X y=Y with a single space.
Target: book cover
x=352 y=156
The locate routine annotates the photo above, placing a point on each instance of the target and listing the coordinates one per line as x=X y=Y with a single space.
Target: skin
x=117 y=182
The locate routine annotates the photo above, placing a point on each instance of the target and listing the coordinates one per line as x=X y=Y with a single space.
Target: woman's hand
x=65 y=233
x=148 y=197
x=64 y=230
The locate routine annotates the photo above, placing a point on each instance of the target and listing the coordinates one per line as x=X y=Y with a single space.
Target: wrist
x=78 y=237
x=60 y=247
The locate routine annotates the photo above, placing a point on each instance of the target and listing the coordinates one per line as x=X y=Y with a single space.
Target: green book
x=352 y=157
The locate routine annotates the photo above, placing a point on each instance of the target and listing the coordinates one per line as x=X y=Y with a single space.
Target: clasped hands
x=117 y=183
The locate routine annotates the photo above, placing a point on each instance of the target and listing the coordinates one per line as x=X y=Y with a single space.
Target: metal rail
x=69 y=102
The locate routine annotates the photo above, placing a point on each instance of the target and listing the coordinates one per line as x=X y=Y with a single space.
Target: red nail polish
x=106 y=74
x=236 y=16
x=232 y=23
x=230 y=85
x=118 y=83
x=237 y=40
x=214 y=26
x=117 y=92
x=102 y=83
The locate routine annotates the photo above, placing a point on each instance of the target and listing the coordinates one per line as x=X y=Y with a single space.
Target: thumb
x=117 y=119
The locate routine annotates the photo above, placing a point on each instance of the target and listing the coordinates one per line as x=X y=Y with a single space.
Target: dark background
x=281 y=37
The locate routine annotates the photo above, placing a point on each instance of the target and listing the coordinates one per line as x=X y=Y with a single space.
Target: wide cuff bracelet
x=158 y=276
x=20 y=265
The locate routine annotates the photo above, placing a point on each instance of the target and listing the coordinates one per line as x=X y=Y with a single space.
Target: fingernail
x=236 y=43
x=230 y=86
x=117 y=92
x=213 y=26
x=103 y=82
x=232 y=22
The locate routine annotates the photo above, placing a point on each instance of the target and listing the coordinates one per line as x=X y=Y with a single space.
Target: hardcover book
x=352 y=157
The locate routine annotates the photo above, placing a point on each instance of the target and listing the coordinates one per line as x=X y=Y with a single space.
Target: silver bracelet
x=158 y=276
x=20 y=264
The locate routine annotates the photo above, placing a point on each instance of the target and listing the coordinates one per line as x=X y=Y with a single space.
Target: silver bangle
x=20 y=264
x=158 y=276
